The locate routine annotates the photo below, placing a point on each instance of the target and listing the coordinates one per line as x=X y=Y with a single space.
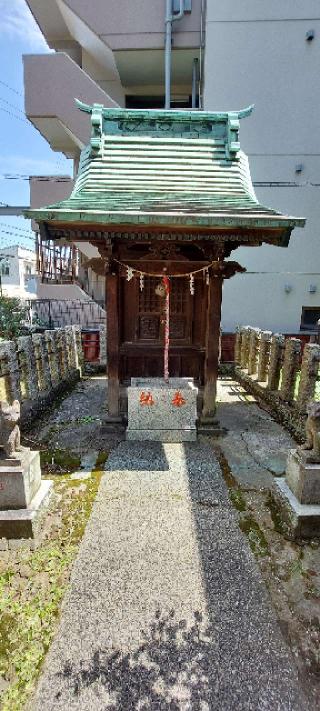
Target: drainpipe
x=170 y=18
x=195 y=82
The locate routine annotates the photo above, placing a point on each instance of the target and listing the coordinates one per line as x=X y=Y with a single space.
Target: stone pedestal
x=303 y=477
x=20 y=479
x=22 y=494
x=163 y=412
x=298 y=496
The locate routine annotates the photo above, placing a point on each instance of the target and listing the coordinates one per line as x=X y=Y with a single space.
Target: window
x=28 y=269
x=309 y=317
x=5 y=269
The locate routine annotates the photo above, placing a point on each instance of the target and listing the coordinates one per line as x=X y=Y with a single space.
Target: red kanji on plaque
x=146 y=398
x=178 y=399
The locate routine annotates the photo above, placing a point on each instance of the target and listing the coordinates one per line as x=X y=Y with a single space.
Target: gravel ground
x=167 y=608
x=77 y=422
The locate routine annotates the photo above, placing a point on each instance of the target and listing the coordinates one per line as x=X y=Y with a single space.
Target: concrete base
x=112 y=424
x=25 y=522
x=187 y=435
x=300 y=520
x=20 y=479
x=303 y=477
x=162 y=411
x=210 y=427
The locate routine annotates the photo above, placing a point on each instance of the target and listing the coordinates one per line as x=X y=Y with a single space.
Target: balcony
x=120 y=44
x=52 y=82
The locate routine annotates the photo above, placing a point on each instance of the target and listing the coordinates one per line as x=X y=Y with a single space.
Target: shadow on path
x=172 y=666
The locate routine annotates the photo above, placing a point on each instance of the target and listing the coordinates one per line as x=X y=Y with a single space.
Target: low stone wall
x=268 y=366
x=35 y=369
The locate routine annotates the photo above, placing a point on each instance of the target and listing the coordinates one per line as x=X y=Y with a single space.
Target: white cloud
x=17 y=21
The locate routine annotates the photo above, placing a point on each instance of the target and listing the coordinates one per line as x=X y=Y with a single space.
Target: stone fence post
x=52 y=357
x=9 y=372
x=276 y=353
x=264 y=355
x=309 y=374
x=42 y=361
x=237 y=346
x=253 y=351
x=77 y=331
x=291 y=365
x=71 y=348
x=62 y=352
x=245 y=343
x=28 y=368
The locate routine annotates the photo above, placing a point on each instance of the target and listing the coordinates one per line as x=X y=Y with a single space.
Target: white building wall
x=256 y=52
x=18 y=259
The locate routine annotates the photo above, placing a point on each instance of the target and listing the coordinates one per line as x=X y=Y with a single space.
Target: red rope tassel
x=166 y=283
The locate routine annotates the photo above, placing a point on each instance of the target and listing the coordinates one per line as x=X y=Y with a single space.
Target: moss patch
x=230 y=480
x=257 y=540
x=101 y=460
x=55 y=460
x=237 y=499
x=279 y=524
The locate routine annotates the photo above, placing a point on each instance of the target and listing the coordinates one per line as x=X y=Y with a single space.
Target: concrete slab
x=255 y=446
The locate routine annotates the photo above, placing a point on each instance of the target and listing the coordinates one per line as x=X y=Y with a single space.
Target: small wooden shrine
x=166 y=197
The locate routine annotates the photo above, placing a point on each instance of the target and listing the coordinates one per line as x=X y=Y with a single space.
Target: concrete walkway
x=167 y=609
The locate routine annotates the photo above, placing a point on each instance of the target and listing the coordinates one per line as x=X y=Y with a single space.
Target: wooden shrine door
x=142 y=329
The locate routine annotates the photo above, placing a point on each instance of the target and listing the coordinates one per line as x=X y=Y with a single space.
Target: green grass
x=30 y=605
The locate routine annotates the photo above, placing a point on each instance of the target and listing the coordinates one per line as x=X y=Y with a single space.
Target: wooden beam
x=212 y=348
x=113 y=351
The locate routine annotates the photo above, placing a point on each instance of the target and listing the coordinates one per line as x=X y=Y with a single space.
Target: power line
x=10 y=88
x=16 y=176
x=8 y=232
x=14 y=116
x=21 y=111
x=13 y=106
x=21 y=229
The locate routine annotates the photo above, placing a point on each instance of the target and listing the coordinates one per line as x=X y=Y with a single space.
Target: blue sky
x=23 y=151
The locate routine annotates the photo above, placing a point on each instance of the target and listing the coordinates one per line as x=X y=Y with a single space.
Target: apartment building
x=17 y=270
x=268 y=53
x=224 y=55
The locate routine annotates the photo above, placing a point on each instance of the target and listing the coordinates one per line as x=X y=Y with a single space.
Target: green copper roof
x=164 y=168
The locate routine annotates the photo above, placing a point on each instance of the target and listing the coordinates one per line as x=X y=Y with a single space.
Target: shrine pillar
x=220 y=271
x=113 y=345
x=212 y=348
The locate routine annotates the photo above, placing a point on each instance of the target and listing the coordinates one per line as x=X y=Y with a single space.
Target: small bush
x=12 y=317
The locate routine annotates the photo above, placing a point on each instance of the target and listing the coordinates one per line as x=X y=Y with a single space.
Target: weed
x=237 y=499
x=257 y=540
